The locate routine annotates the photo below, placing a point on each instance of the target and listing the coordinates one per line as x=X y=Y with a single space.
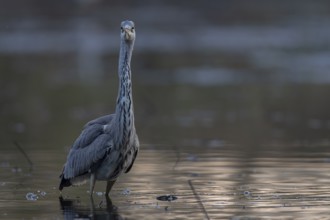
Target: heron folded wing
x=103 y=120
x=87 y=136
x=81 y=160
x=91 y=131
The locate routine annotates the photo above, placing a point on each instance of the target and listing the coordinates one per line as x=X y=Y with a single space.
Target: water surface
x=213 y=183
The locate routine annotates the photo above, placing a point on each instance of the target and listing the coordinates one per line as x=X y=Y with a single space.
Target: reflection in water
x=73 y=209
x=214 y=182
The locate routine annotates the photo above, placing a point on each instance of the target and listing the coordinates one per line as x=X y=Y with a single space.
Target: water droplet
x=31 y=196
x=247 y=193
x=126 y=191
x=99 y=193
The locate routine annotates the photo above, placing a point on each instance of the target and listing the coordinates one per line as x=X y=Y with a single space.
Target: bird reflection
x=74 y=209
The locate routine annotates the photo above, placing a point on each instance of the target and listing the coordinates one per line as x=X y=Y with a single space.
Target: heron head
x=127 y=30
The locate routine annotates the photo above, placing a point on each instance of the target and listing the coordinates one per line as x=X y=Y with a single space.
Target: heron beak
x=127 y=33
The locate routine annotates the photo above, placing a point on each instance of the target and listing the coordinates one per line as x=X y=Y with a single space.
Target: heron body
x=108 y=145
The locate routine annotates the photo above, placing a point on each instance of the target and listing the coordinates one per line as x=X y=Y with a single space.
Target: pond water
x=212 y=183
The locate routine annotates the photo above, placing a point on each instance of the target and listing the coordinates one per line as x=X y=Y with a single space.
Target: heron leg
x=92 y=206
x=92 y=184
x=109 y=186
x=109 y=203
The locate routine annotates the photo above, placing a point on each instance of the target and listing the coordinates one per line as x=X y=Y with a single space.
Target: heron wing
x=103 y=120
x=90 y=148
x=91 y=131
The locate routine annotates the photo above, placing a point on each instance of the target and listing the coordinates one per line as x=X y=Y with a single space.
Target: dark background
x=206 y=73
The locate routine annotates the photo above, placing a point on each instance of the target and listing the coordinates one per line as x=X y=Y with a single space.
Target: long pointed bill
x=127 y=34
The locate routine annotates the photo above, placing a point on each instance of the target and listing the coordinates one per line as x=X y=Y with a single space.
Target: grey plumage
x=108 y=145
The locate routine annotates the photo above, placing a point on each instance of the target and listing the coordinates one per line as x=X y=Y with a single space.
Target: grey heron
x=108 y=145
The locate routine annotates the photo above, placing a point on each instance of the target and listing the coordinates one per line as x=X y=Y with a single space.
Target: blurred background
x=205 y=73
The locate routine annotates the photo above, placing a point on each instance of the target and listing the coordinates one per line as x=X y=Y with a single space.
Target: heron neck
x=124 y=73
x=125 y=55
x=124 y=108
